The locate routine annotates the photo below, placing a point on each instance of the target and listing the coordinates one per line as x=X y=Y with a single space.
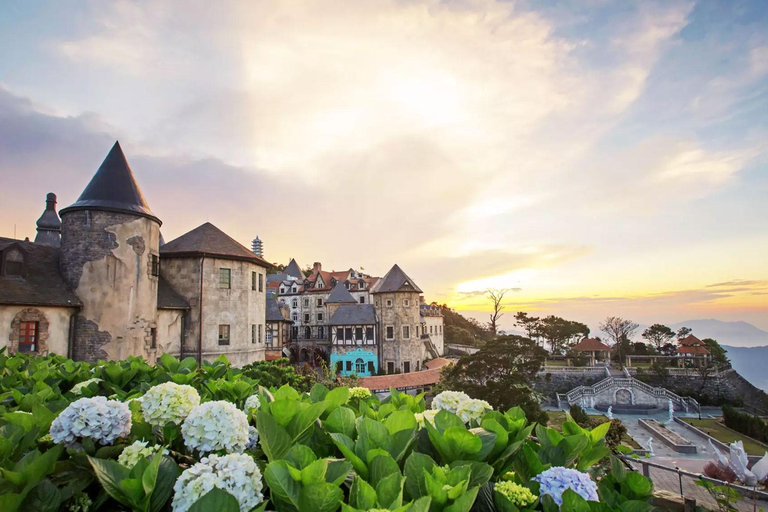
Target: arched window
x=359 y=366
x=295 y=303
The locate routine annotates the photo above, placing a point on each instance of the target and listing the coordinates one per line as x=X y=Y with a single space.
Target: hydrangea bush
x=98 y=419
x=168 y=403
x=77 y=389
x=319 y=449
x=235 y=473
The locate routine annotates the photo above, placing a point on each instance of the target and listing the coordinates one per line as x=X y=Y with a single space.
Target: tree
x=658 y=335
x=458 y=335
x=561 y=333
x=717 y=354
x=496 y=297
x=683 y=332
x=619 y=331
x=499 y=373
x=530 y=324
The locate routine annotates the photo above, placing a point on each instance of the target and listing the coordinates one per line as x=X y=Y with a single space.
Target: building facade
x=98 y=285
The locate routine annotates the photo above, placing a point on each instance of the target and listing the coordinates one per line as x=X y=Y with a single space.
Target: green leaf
x=381 y=467
x=342 y=421
x=461 y=443
x=464 y=502
x=300 y=456
x=639 y=485
x=445 y=420
x=315 y=472
x=149 y=477
x=362 y=495
x=502 y=437
x=305 y=419
x=167 y=474
x=346 y=446
x=286 y=392
x=599 y=432
x=415 y=466
x=318 y=392
x=636 y=506
x=400 y=420
x=281 y=483
x=216 y=499
x=320 y=497
x=337 y=471
x=572 y=502
x=45 y=497
x=336 y=397
x=618 y=469
x=110 y=474
x=420 y=505
x=390 y=491
x=273 y=438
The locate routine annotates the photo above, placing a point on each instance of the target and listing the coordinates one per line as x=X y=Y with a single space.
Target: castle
x=98 y=282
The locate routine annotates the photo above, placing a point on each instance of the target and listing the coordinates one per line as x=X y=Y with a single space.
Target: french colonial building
x=357 y=323
x=99 y=283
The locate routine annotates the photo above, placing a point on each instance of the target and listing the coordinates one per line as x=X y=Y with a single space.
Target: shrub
x=579 y=416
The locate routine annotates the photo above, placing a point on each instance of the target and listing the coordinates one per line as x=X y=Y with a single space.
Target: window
x=261 y=327
x=369 y=335
x=268 y=336
x=358 y=334
x=319 y=317
x=295 y=317
x=225 y=278
x=253 y=281
x=348 y=335
x=417 y=331
x=406 y=303
x=376 y=303
x=14 y=264
x=339 y=334
x=389 y=303
x=293 y=289
x=321 y=332
x=418 y=366
x=406 y=367
x=349 y=366
x=306 y=318
x=361 y=286
x=406 y=332
x=371 y=368
x=155 y=269
x=362 y=299
x=306 y=302
x=295 y=303
x=441 y=329
x=390 y=367
x=390 y=332
x=359 y=366
x=430 y=329
x=153 y=337
x=253 y=333
x=339 y=366
x=27 y=336
x=319 y=302
x=261 y=283
x=223 y=334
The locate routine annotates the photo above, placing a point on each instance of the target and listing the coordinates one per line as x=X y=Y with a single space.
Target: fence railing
x=576 y=395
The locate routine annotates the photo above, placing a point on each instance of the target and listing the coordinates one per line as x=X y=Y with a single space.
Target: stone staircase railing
x=587 y=393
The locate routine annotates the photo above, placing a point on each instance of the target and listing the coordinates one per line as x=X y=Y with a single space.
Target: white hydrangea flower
x=217 y=425
x=253 y=438
x=252 y=404
x=235 y=473
x=134 y=452
x=359 y=392
x=96 y=418
x=472 y=409
x=428 y=415
x=449 y=400
x=168 y=403
x=78 y=388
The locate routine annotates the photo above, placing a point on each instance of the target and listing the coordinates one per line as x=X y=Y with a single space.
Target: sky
x=594 y=158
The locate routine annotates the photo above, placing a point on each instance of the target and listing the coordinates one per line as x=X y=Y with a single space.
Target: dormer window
x=13 y=263
x=361 y=285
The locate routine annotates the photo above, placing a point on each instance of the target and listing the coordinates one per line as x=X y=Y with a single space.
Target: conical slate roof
x=293 y=270
x=340 y=295
x=396 y=281
x=208 y=240
x=113 y=188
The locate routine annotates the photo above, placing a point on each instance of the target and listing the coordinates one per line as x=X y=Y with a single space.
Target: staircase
x=430 y=346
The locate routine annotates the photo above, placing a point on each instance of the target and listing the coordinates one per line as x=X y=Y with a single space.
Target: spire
x=113 y=188
x=340 y=295
x=294 y=270
x=49 y=224
x=396 y=281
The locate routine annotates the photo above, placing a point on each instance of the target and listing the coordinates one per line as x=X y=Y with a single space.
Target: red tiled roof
x=690 y=340
x=690 y=349
x=406 y=380
x=272 y=357
x=438 y=362
x=592 y=344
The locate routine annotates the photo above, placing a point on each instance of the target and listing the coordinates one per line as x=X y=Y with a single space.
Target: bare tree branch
x=496 y=297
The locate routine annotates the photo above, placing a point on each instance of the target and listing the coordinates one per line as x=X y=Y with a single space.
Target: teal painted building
x=354 y=341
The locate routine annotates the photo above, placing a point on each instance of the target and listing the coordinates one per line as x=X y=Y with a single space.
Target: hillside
x=734 y=334
x=462 y=330
x=750 y=363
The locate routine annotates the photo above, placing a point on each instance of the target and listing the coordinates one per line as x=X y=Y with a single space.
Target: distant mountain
x=751 y=363
x=734 y=334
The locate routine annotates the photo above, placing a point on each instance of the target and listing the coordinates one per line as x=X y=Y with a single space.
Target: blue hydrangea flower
x=556 y=480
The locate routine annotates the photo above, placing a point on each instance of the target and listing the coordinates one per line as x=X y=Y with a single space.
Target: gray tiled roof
x=273 y=311
x=43 y=284
x=396 y=281
x=294 y=270
x=340 y=295
x=167 y=297
x=354 y=314
x=113 y=188
x=208 y=240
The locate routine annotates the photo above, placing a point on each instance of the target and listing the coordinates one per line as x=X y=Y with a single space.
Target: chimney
x=49 y=224
x=317 y=267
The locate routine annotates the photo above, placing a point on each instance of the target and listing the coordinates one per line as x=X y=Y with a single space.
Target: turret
x=110 y=258
x=49 y=224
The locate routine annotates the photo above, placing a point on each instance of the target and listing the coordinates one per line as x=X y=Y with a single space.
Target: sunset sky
x=597 y=158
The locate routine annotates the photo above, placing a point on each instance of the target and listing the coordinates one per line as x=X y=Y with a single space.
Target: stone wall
x=169 y=325
x=550 y=384
x=436 y=323
x=399 y=350
x=106 y=259
x=53 y=326
x=184 y=276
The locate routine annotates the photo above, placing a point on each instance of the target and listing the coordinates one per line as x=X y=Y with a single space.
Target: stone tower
x=49 y=225
x=110 y=258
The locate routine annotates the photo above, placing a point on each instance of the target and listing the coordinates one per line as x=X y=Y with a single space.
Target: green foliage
x=579 y=416
x=744 y=423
